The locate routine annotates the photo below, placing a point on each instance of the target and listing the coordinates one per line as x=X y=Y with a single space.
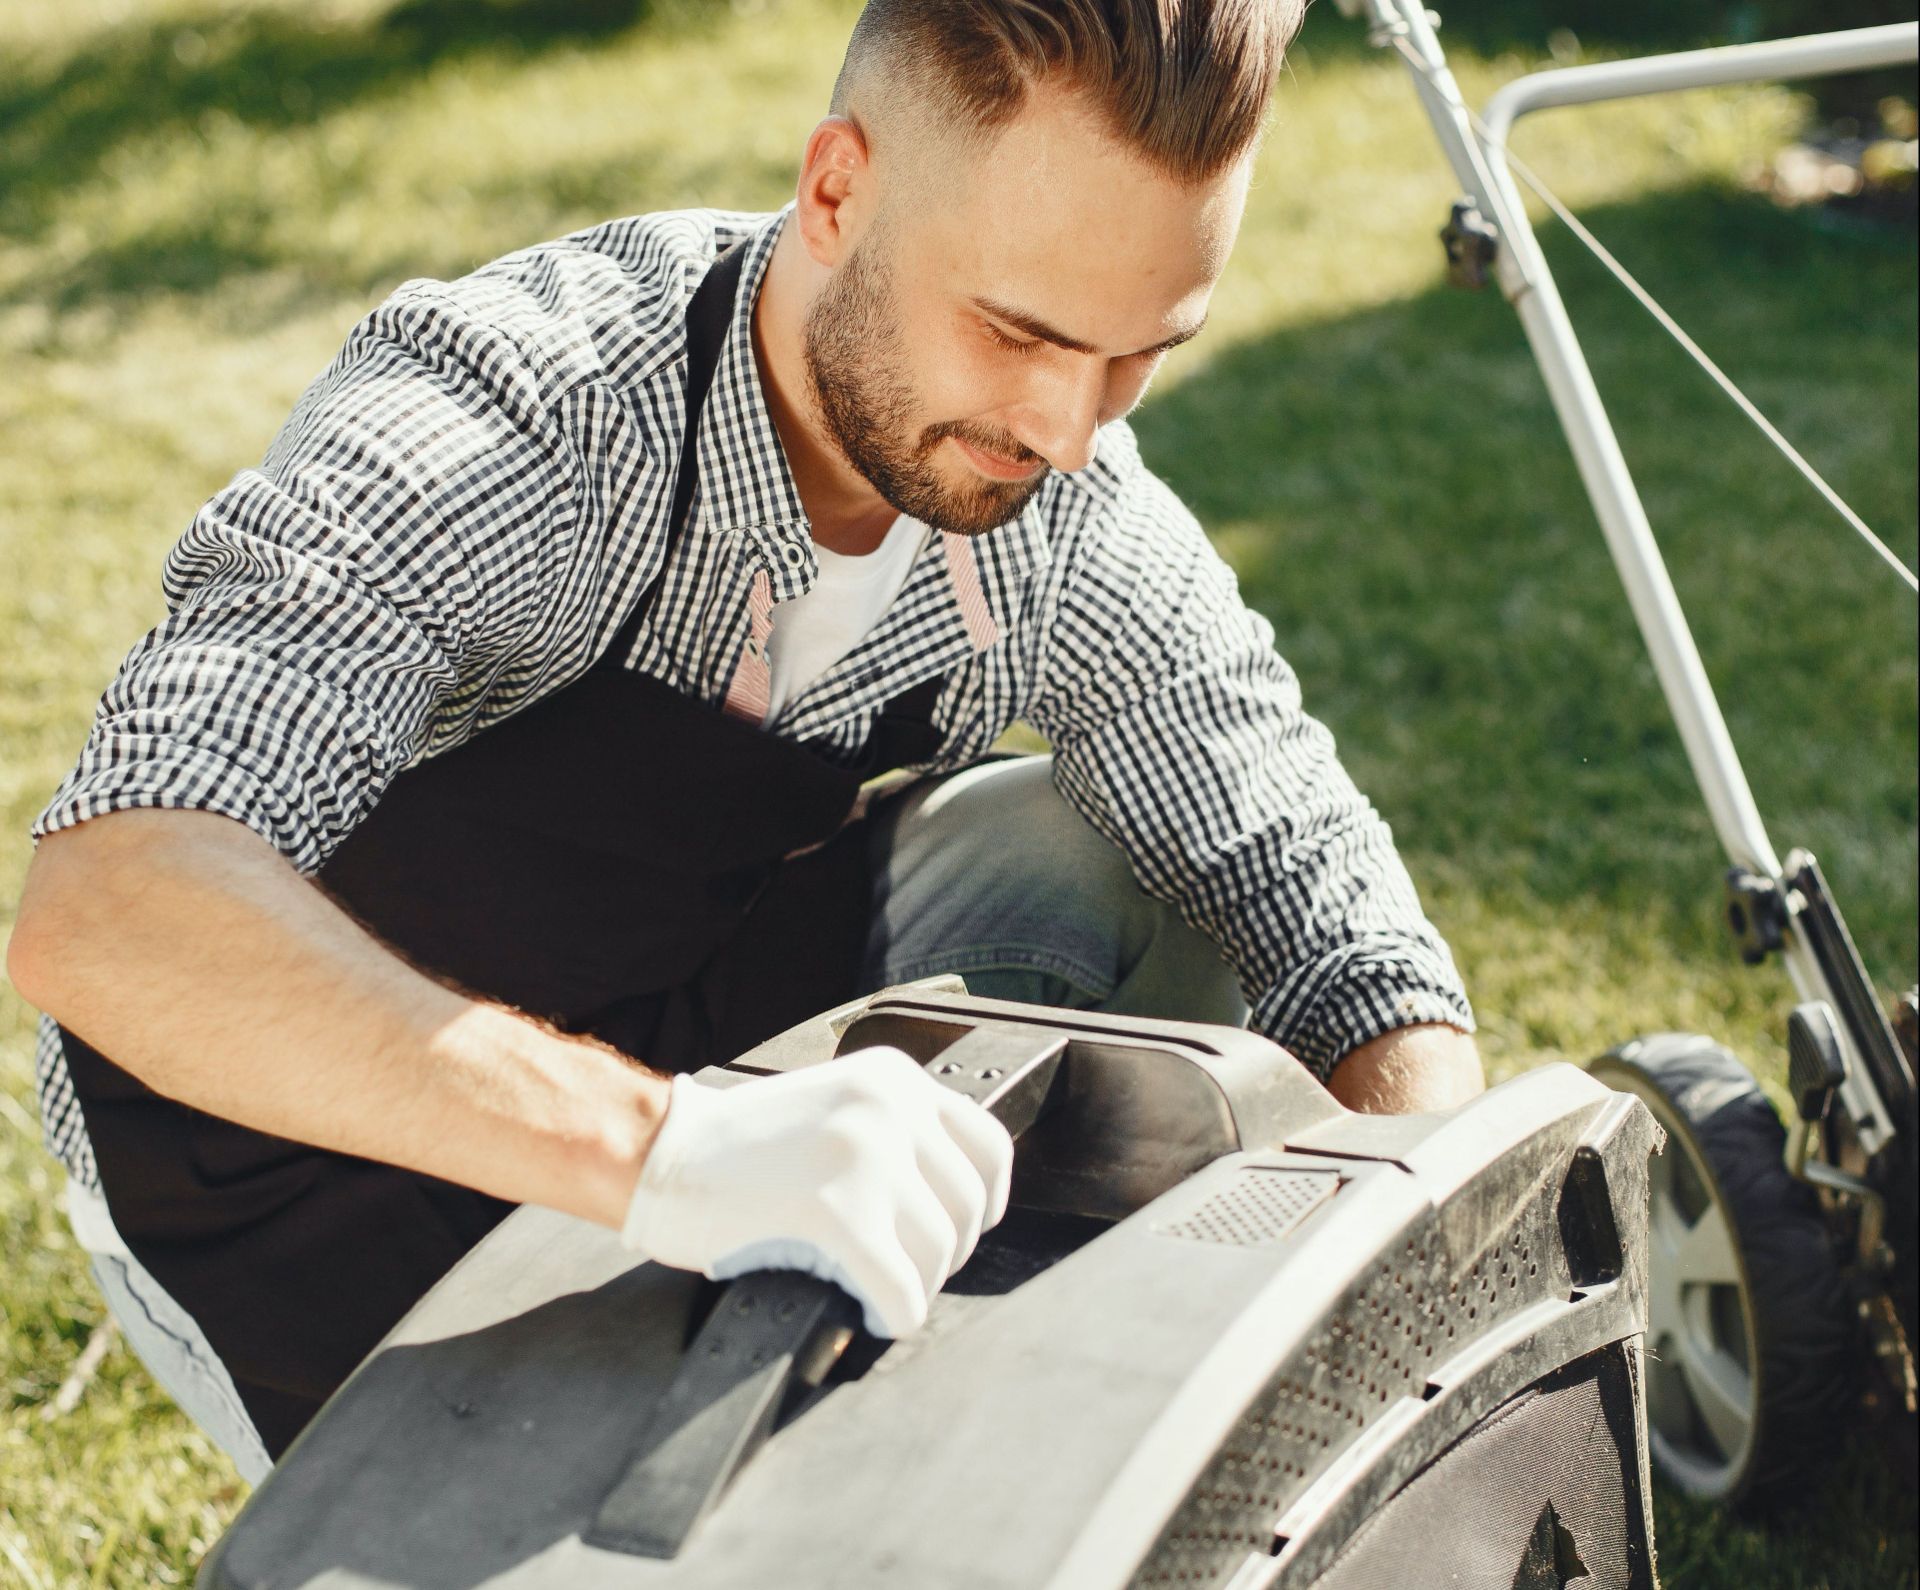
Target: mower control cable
x=1667 y=323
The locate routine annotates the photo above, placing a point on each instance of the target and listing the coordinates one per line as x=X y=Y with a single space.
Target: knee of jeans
x=1004 y=882
x=1180 y=975
x=1023 y=838
x=1154 y=963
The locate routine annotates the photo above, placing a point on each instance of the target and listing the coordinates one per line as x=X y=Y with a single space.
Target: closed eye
x=1009 y=344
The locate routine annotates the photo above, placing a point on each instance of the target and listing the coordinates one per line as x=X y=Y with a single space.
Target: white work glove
x=862 y=1170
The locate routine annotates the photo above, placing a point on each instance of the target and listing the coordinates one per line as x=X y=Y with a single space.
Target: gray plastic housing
x=1226 y=1320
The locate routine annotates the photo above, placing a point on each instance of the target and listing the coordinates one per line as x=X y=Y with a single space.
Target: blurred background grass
x=197 y=200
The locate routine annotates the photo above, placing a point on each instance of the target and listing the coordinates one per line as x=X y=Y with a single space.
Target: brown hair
x=1184 y=82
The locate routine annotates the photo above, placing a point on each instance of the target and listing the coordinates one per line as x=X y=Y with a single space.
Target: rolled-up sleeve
x=331 y=612
x=1178 y=732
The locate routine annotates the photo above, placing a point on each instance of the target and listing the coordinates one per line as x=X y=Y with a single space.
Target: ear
x=835 y=191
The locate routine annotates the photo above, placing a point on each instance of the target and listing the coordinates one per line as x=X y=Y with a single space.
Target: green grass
x=196 y=201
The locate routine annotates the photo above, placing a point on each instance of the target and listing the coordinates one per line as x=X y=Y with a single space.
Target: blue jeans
x=989 y=873
x=985 y=872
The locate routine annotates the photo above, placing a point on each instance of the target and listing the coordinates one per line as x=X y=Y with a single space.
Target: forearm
x=1409 y=1071
x=184 y=947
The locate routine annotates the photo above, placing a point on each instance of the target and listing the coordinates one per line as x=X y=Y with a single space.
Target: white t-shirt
x=814 y=631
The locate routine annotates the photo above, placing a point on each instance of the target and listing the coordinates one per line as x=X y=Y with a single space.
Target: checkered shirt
x=463 y=507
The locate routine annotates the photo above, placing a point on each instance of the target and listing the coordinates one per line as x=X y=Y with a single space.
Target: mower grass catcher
x=1229 y=1334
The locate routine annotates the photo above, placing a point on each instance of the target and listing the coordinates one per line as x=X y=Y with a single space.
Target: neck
x=846 y=513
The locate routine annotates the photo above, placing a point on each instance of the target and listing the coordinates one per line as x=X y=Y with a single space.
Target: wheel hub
x=1701 y=1396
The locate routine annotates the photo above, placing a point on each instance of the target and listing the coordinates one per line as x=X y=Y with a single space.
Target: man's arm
x=186 y=948
x=299 y=1023
x=387 y=557
x=1179 y=733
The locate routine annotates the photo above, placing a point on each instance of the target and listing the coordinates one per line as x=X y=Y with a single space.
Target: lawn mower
x=1228 y=1334
x=1783 y=1257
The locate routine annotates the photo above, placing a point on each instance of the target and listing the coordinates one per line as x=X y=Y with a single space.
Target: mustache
x=997 y=442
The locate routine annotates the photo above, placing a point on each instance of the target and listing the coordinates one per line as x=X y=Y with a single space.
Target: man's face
x=980 y=331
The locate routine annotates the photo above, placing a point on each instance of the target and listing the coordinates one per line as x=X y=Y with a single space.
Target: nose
x=1058 y=420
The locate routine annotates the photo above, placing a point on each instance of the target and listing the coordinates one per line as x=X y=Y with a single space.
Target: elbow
x=42 y=926
x=1411 y=1070
x=82 y=890
x=26 y=962
x=113 y=909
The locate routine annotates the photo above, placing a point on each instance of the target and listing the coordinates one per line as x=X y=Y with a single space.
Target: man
x=555 y=639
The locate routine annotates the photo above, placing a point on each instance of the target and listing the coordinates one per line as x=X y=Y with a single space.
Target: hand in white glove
x=863 y=1171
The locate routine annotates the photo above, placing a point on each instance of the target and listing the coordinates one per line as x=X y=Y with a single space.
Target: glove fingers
x=956 y=1182
x=887 y=1284
x=979 y=1135
x=926 y=1231
x=984 y=1141
x=867 y=1171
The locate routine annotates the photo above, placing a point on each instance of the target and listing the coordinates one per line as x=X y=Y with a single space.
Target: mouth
x=993 y=466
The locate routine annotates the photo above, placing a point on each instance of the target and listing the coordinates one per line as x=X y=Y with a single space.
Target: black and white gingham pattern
x=466 y=503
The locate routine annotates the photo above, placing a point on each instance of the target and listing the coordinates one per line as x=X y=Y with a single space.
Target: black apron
x=619 y=859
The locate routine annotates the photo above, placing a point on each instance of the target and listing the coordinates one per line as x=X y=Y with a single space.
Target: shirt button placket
x=794 y=557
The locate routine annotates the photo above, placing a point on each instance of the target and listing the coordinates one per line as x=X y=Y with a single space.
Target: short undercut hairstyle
x=1184 y=83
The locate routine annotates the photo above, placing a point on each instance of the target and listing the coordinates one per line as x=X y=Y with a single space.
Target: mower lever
x=1004 y=1069
x=778 y=1328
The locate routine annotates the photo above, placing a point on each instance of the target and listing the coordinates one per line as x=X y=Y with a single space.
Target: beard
x=856 y=370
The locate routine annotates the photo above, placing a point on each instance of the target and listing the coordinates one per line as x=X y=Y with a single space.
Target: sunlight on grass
x=197 y=201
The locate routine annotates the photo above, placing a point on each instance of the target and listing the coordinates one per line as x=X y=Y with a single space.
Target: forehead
x=1054 y=215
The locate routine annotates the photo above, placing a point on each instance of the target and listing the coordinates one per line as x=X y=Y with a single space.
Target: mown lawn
x=197 y=200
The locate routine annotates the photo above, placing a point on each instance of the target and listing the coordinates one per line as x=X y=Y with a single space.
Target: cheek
x=956 y=378
x=1126 y=385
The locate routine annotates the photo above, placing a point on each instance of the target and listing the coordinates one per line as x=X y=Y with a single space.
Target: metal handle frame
x=1480 y=162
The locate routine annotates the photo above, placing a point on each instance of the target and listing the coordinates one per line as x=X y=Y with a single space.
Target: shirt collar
x=744 y=482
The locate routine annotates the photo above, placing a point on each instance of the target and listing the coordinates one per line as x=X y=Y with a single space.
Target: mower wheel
x=1752 y=1345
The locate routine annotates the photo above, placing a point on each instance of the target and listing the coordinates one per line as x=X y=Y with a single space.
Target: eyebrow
x=1035 y=327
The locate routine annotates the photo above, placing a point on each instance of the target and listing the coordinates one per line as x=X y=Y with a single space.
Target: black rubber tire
x=1807 y=1344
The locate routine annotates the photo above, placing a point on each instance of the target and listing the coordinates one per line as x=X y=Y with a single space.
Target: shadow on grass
x=1848 y=1531
x=1396 y=496
x=197 y=254
x=262 y=68
x=188 y=256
